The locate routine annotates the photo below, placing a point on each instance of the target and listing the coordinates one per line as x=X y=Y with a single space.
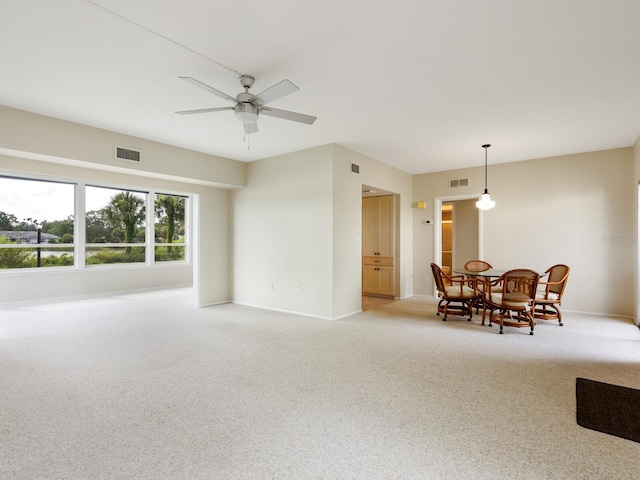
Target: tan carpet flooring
x=145 y=386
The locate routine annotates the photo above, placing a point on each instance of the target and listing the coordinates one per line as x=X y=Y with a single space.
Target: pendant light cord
x=486 y=147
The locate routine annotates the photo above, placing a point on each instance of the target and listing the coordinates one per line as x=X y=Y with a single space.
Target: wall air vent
x=459 y=183
x=355 y=169
x=128 y=154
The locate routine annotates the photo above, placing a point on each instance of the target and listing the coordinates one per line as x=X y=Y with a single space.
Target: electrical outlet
x=425 y=279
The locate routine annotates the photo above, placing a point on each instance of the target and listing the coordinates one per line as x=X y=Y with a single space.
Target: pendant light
x=485 y=202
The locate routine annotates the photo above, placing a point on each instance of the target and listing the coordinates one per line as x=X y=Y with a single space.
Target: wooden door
x=386 y=281
x=386 y=228
x=369 y=226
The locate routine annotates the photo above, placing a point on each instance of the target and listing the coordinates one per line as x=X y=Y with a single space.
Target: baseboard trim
x=293 y=312
x=90 y=296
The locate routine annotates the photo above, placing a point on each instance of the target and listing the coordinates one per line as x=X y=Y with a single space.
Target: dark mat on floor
x=608 y=408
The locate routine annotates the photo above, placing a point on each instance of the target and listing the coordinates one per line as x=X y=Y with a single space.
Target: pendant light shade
x=485 y=202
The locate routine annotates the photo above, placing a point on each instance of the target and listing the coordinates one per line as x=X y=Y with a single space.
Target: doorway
x=457 y=232
x=380 y=272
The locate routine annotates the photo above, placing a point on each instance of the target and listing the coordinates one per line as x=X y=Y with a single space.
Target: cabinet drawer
x=384 y=261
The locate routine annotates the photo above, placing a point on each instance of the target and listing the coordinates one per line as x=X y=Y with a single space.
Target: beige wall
x=348 y=237
x=27 y=135
x=574 y=209
x=282 y=236
x=383 y=177
x=465 y=231
x=51 y=148
x=298 y=223
x=636 y=179
x=298 y=227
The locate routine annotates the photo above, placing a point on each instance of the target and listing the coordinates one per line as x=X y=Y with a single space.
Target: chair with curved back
x=514 y=305
x=477 y=266
x=454 y=290
x=549 y=295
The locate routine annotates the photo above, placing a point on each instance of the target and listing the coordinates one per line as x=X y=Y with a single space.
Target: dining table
x=490 y=273
x=485 y=277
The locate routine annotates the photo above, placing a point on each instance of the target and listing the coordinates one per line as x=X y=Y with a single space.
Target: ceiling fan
x=248 y=107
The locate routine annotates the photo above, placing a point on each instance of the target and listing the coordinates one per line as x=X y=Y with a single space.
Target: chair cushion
x=552 y=296
x=497 y=299
x=454 y=291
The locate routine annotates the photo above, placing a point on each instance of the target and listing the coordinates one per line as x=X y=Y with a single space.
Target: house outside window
x=33 y=213
x=121 y=226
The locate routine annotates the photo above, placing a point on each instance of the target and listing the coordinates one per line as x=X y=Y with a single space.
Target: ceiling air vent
x=355 y=168
x=128 y=154
x=459 y=183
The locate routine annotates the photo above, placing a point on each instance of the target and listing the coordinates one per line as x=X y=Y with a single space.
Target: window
x=121 y=226
x=169 y=228
x=36 y=223
x=115 y=226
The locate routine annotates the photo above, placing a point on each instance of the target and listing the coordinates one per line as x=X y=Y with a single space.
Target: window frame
x=80 y=245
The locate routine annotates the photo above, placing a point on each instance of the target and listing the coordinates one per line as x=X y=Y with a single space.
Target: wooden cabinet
x=378 y=245
x=378 y=280
x=378 y=226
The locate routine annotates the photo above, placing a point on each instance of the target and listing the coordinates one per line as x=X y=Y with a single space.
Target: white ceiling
x=417 y=84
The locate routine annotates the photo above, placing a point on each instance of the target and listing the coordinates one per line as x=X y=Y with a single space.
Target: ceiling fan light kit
x=248 y=107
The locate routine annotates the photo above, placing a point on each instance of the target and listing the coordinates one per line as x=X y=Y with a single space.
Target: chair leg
x=531 y=321
x=559 y=315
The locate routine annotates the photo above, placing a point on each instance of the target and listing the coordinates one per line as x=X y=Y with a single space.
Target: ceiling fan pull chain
x=246 y=138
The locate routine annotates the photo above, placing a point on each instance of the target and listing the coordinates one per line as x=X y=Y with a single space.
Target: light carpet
x=144 y=386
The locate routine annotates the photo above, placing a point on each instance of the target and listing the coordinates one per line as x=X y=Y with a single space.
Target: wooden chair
x=514 y=305
x=454 y=290
x=477 y=266
x=549 y=296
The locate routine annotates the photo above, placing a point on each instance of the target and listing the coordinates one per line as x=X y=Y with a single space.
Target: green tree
x=98 y=229
x=126 y=211
x=60 y=228
x=171 y=209
x=15 y=257
x=27 y=225
x=7 y=221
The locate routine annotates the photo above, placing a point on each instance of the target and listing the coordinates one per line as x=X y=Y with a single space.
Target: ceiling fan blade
x=279 y=90
x=287 y=115
x=251 y=128
x=209 y=89
x=204 y=110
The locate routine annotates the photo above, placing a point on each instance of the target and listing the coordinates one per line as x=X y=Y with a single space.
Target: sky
x=46 y=200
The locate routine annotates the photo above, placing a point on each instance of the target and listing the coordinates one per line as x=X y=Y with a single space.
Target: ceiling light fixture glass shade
x=485 y=202
x=246 y=113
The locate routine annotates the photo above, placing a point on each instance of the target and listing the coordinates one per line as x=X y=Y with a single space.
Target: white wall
x=574 y=209
x=347 y=235
x=213 y=243
x=282 y=230
x=379 y=175
x=298 y=223
x=36 y=145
